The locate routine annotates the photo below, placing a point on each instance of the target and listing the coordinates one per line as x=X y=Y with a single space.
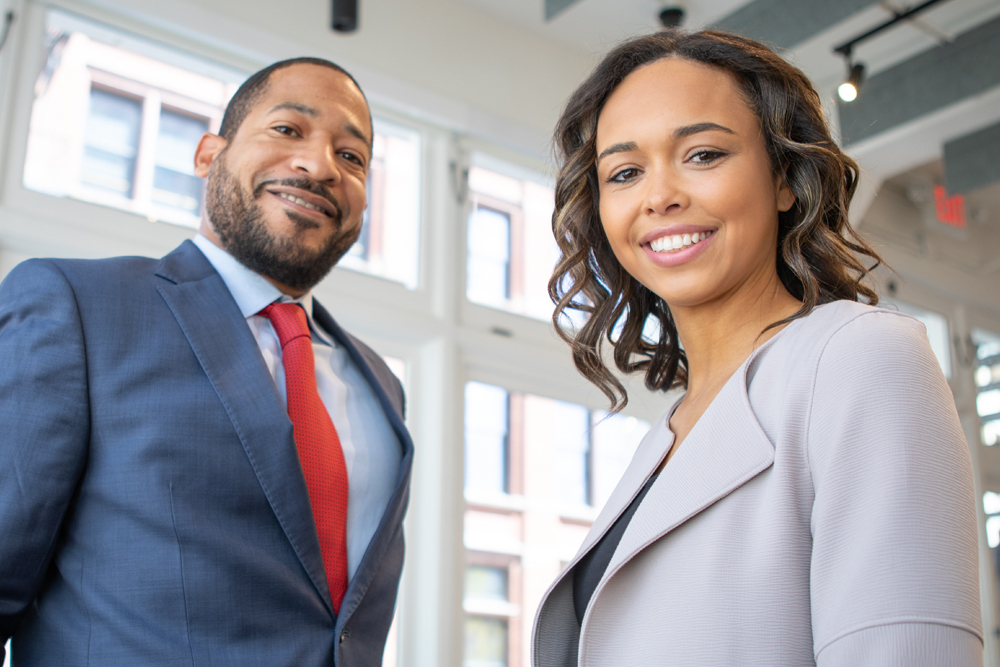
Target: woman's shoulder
x=860 y=328
x=837 y=340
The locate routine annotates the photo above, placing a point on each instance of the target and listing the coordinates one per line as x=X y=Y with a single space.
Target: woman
x=809 y=499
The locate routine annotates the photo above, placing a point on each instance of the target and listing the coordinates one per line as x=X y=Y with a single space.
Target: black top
x=588 y=572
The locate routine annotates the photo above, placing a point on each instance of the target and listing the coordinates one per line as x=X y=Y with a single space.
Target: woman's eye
x=706 y=156
x=624 y=175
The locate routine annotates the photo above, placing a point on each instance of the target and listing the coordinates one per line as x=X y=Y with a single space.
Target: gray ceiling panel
x=553 y=7
x=930 y=81
x=787 y=23
x=972 y=161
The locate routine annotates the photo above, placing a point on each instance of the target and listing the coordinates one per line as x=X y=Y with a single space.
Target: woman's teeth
x=677 y=242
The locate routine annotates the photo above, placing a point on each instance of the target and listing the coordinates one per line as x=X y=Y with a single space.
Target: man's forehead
x=315 y=91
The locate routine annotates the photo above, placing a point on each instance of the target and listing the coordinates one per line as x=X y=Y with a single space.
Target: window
x=174 y=183
x=116 y=120
x=988 y=388
x=487 y=446
x=389 y=245
x=559 y=463
x=488 y=641
x=510 y=249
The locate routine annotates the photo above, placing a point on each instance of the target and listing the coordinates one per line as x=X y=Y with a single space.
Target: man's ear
x=208 y=149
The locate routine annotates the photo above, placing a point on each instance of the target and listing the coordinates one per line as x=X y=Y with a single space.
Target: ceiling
x=593 y=26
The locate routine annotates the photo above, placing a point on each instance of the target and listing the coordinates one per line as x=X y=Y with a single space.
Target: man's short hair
x=254 y=88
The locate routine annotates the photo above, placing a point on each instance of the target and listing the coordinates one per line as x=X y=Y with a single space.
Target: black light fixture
x=848 y=90
x=345 y=15
x=671 y=17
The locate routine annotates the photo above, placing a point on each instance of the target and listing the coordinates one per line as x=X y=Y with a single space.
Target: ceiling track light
x=345 y=15
x=848 y=90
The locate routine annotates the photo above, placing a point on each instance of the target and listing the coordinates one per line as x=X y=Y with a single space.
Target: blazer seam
x=86 y=383
x=901 y=620
x=812 y=397
x=180 y=560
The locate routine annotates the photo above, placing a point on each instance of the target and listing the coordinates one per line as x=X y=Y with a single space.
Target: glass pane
x=487 y=271
x=991 y=432
x=111 y=142
x=988 y=403
x=511 y=251
x=485 y=642
x=991 y=502
x=389 y=244
x=485 y=583
x=614 y=440
x=485 y=439
x=174 y=182
x=993 y=531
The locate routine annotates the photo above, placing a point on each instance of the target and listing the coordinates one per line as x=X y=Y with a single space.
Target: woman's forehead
x=672 y=93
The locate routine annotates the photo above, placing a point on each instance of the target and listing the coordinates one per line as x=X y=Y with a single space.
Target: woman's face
x=688 y=199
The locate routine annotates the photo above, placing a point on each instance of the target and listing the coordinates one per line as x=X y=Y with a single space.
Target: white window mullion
x=145 y=160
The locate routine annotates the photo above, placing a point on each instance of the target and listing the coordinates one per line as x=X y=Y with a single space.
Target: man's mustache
x=303 y=184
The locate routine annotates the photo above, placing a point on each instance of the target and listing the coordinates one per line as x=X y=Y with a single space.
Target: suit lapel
x=230 y=357
x=725 y=450
x=393 y=515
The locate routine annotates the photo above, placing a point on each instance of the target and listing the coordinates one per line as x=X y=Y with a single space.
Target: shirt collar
x=251 y=291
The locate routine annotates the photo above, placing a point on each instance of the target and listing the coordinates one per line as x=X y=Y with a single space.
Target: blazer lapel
x=230 y=357
x=654 y=446
x=725 y=449
x=393 y=516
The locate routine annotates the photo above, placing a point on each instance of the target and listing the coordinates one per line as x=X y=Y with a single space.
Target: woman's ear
x=785 y=197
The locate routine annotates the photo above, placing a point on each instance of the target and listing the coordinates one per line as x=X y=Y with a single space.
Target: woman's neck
x=719 y=336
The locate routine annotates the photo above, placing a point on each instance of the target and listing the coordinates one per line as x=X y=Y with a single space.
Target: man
x=159 y=504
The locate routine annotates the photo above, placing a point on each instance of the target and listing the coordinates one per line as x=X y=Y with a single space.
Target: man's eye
x=286 y=130
x=623 y=176
x=353 y=158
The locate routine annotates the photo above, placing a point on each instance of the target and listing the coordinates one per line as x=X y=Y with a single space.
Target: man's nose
x=317 y=160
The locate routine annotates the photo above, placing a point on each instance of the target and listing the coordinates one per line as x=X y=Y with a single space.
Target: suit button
x=344 y=635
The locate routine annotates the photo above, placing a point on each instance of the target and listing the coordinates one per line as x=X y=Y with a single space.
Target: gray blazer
x=820 y=512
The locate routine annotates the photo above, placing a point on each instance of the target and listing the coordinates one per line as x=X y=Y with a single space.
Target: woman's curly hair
x=818 y=253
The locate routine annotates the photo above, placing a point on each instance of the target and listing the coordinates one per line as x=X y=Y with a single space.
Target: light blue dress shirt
x=372 y=451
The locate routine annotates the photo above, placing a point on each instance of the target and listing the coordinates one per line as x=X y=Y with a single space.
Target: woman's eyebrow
x=617 y=148
x=688 y=130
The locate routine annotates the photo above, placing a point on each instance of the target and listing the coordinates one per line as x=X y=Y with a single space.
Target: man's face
x=286 y=194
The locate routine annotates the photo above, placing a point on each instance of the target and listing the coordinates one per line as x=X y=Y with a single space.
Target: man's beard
x=239 y=221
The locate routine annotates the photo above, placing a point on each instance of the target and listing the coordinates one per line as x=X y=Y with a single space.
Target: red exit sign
x=950 y=208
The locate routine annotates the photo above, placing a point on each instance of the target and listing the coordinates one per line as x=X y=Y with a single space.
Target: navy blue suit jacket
x=152 y=506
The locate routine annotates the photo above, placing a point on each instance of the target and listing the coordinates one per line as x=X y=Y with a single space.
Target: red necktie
x=317 y=441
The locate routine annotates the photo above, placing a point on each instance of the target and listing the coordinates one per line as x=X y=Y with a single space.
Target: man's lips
x=307 y=200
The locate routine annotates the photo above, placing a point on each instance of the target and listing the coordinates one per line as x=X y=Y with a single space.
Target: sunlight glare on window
x=988 y=403
x=993 y=531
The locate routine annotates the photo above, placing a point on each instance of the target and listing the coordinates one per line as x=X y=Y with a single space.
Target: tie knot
x=289 y=321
